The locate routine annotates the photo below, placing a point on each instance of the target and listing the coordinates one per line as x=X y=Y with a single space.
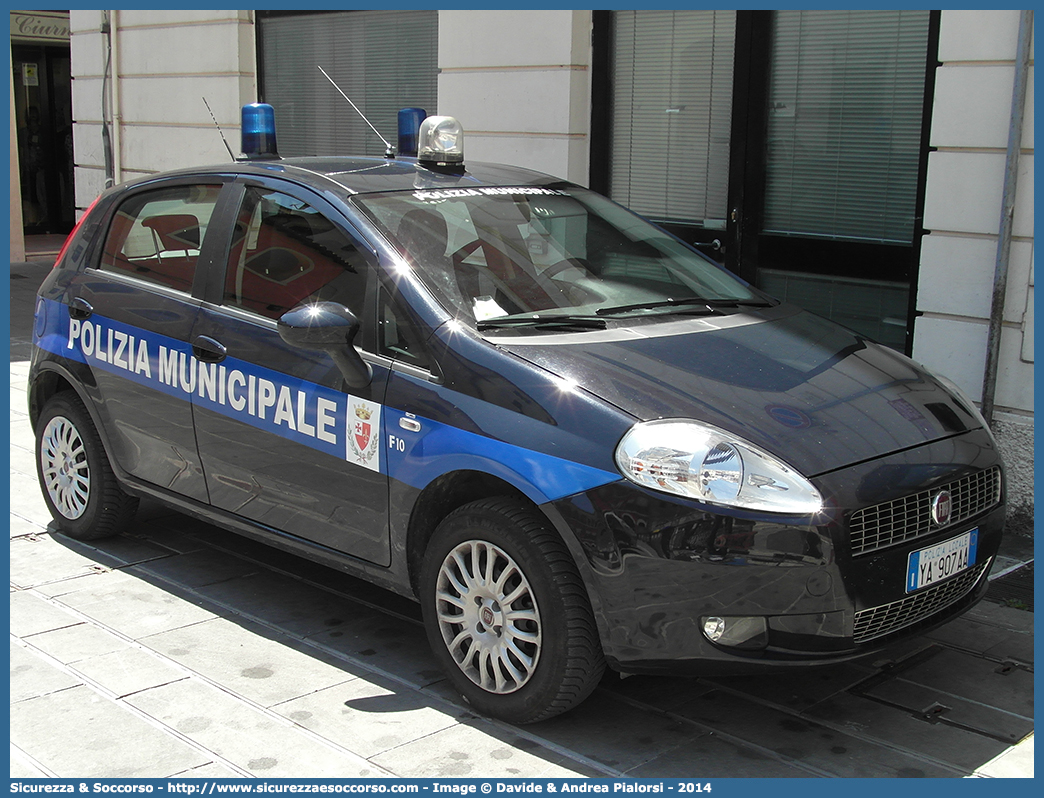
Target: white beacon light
x=440 y=141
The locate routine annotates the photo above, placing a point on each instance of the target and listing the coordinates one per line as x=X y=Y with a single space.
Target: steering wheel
x=580 y=294
x=562 y=265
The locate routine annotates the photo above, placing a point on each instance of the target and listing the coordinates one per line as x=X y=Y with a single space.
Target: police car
x=574 y=439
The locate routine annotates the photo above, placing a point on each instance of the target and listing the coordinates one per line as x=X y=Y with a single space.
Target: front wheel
x=78 y=484
x=507 y=614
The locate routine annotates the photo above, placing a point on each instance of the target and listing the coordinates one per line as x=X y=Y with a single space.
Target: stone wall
x=519 y=82
x=164 y=64
x=969 y=134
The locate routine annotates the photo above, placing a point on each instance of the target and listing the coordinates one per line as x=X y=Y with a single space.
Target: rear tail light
x=75 y=230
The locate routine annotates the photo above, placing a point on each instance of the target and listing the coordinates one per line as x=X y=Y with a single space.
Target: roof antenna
x=389 y=151
x=223 y=140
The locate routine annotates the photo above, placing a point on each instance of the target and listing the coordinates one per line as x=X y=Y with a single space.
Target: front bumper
x=656 y=566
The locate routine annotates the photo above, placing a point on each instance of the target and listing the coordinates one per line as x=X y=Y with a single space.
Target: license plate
x=941 y=561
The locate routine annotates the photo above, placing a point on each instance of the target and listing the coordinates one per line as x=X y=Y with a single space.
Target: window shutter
x=844 y=125
x=383 y=60
x=672 y=112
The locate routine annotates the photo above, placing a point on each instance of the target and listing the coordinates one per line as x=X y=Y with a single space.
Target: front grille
x=887 y=618
x=910 y=517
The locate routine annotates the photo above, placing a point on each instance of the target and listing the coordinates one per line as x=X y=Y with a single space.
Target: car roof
x=361 y=175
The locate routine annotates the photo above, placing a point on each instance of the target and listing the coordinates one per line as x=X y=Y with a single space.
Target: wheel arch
x=442 y=496
x=51 y=379
x=455 y=489
x=48 y=381
x=80 y=488
x=545 y=654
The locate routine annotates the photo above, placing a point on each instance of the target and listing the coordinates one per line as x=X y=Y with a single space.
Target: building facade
x=853 y=162
x=970 y=128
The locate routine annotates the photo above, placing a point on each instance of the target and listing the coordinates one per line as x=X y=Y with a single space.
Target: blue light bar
x=409 y=124
x=259 y=134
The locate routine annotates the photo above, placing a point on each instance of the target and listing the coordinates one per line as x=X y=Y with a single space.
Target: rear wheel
x=77 y=481
x=506 y=613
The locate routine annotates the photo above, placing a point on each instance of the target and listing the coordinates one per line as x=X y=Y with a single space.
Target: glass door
x=789 y=145
x=831 y=217
x=672 y=96
x=43 y=114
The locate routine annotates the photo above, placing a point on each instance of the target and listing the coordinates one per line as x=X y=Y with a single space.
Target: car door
x=131 y=314
x=283 y=439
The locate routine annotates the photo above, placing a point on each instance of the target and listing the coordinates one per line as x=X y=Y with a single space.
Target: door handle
x=208 y=350
x=410 y=424
x=80 y=308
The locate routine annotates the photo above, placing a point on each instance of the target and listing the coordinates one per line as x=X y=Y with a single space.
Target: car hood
x=813 y=393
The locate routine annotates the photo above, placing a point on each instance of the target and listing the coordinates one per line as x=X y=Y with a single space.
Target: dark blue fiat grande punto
x=574 y=439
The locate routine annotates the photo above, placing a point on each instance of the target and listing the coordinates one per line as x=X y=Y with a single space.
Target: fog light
x=736 y=632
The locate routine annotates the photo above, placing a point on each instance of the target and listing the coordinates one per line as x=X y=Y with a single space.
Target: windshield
x=497 y=256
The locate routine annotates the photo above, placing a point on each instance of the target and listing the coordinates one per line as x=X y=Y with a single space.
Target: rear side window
x=285 y=252
x=156 y=235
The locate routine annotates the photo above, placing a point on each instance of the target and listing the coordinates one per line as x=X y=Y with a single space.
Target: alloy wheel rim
x=66 y=474
x=488 y=617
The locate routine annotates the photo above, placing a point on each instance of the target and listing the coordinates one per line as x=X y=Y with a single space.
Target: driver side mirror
x=331 y=327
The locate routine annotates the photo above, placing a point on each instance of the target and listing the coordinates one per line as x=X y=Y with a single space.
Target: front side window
x=531 y=252
x=285 y=252
x=398 y=337
x=156 y=235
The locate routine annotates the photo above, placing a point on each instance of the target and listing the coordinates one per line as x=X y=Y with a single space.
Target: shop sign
x=40 y=27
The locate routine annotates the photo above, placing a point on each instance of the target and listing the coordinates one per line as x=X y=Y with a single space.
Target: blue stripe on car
x=302 y=411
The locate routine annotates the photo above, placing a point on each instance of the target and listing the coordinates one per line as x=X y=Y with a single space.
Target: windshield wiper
x=660 y=303
x=739 y=303
x=692 y=304
x=544 y=323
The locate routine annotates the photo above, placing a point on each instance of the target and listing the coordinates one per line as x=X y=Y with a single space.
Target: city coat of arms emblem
x=364 y=432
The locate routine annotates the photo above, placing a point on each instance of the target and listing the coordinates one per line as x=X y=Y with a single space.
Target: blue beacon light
x=409 y=125
x=258 y=132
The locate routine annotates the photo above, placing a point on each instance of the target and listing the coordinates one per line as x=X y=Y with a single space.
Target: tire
x=497 y=558
x=78 y=484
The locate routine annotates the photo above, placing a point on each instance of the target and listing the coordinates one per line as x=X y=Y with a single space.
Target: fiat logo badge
x=942 y=505
x=487 y=616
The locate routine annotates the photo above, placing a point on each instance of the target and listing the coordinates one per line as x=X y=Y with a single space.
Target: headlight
x=701 y=462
